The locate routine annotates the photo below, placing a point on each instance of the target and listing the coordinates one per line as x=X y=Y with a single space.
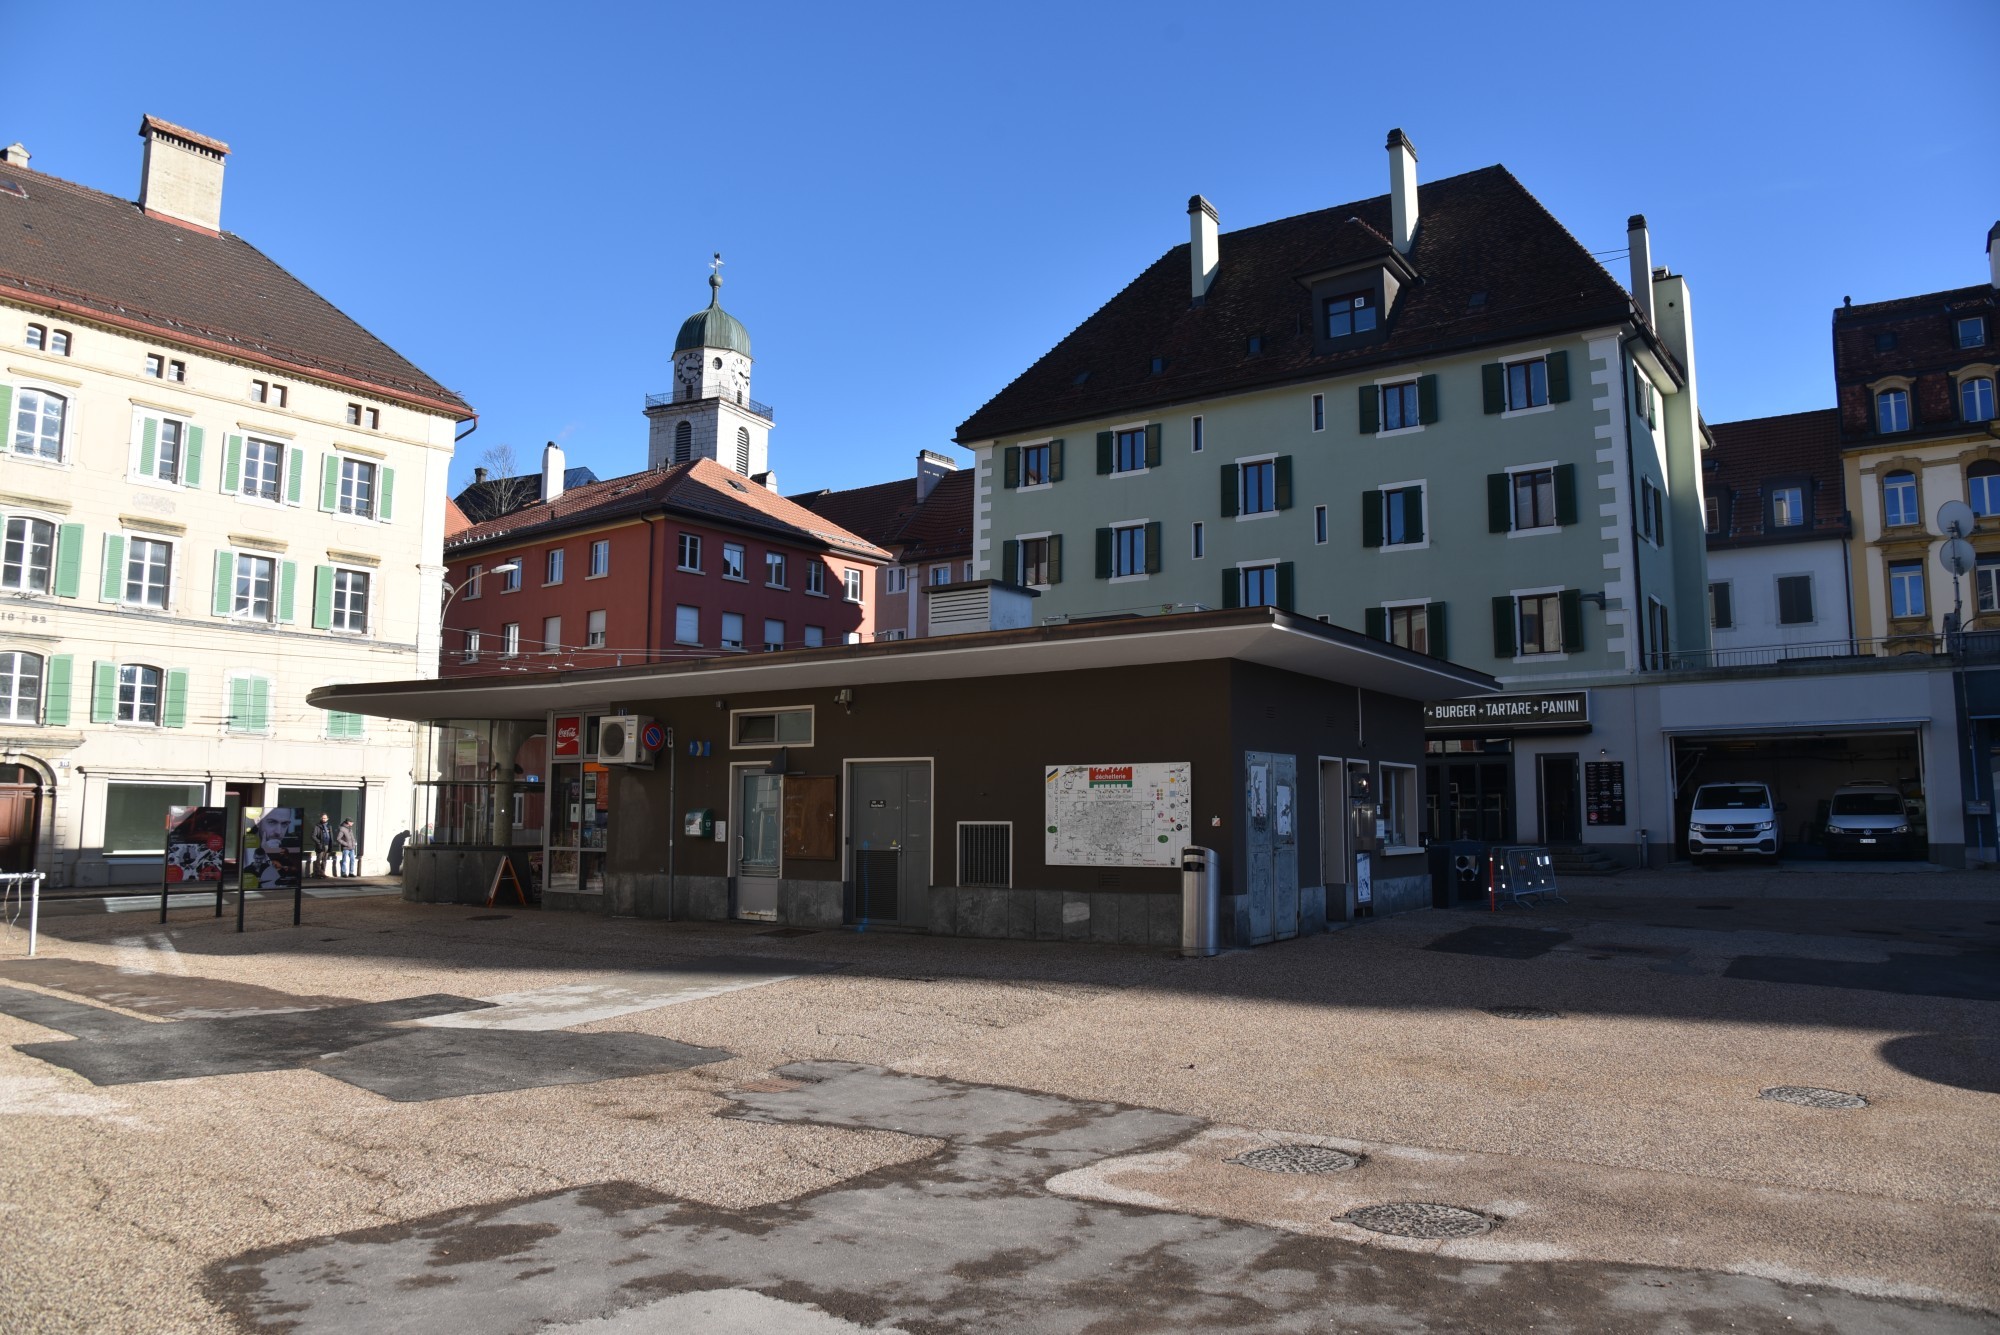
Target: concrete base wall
x=1056 y=915
x=811 y=903
x=557 y=901
x=1401 y=894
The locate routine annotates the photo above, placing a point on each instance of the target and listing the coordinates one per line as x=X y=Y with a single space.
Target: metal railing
x=763 y=410
x=1921 y=645
x=16 y=887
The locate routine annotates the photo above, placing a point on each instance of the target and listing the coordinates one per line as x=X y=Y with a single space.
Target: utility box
x=699 y=823
x=1201 y=893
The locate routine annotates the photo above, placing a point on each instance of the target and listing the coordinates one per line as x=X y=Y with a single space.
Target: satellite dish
x=1957 y=556
x=1955 y=519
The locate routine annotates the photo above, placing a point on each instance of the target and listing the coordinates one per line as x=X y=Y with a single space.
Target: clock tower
x=709 y=413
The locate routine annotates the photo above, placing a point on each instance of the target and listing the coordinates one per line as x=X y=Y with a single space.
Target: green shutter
x=1565 y=493
x=69 y=560
x=224 y=600
x=1055 y=460
x=322 y=597
x=1010 y=467
x=385 y=507
x=1103 y=452
x=55 y=691
x=191 y=467
x=295 y=476
x=1104 y=553
x=6 y=417
x=1153 y=445
x=1371 y=519
x=1499 y=507
x=1427 y=399
x=174 y=699
x=1413 y=513
x=111 y=583
x=288 y=587
x=260 y=704
x=1286 y=585
x=1282 y=473
x=232 y=463
x=1434 y=629
x=236 y=716
x=1572 y=620
x=1371 y=410
x=103 y=692
x=1232 y=587
x=1010 y=561
x=1153 y=547
x=342 y=726
x=1493 y=380
x=329 y=483
x=1229 y=489
x=1376 y=621
x=1559 y=377
x=1503 y=627
x=149 y=436
x=1055 y=558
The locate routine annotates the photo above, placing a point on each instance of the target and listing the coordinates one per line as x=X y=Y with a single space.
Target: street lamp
x=452 y=590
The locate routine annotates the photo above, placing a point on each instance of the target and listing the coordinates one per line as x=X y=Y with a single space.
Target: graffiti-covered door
x=1270 y=901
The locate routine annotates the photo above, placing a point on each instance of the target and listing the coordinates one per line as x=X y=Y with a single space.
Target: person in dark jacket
x=347 y=860
x=322 y=844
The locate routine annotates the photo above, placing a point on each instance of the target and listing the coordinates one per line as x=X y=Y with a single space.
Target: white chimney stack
x=1402 y=191
x=1640 y=242
x=15 y=153
x=553 y=468
x=931 y=468
x=1204 y=246
x=1993 y=253
x=182 y=174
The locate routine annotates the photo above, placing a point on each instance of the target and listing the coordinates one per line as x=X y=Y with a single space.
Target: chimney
x=1204 y=247
x=553 y=467
x=768 y=479
x=478 y=477
x=1640 y=242
x=1992 y=251
x=16 y=154
x=931 y=466
x=1402 y=191
x=182 y=174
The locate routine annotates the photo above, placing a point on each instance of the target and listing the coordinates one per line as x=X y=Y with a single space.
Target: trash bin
x=1200 y=902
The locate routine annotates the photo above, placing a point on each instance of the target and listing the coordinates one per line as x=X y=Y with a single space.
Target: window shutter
x=1285 y=586
x=1427 y=399
x=232 y=463
x=1104 y=452
x=1572 y=620
x=111 y=582
x=1229 y=486
x=236 y=715
x=1232 y=588
x=1055 y=460
x=329 y=483
x=1104 y=553
x=1281 y=473
x=1371 y=519
x=1499 y=511
x=1153 y=547
x=1371 y=409
x=1566 y=493
x=174 y=699
x=1153 y=445
x=1010 y=467
x=1010 y=561
x=1503 y=627
x=1376 y=621
x=322 y=597
x=1493 y=381
x=1413 y=513
x=55 y=691
x=7 y=410
x=1055 y=558
x=69 y=560
x=386 y=494
x=288 y=587
x=1559 y=377
x=103 y=692
x=295 y=476
x=260 y=704
x=1434 y=629
x=224 y=600
x=191 y=465
x=149 y=436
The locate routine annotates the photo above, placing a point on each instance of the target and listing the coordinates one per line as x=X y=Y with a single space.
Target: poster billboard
x=1116 y=815
x=273 y=848
x=197 y=844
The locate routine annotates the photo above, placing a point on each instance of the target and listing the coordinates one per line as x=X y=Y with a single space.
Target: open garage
x=1804 y=768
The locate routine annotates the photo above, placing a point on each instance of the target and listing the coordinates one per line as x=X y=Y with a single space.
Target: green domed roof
x=714 y=327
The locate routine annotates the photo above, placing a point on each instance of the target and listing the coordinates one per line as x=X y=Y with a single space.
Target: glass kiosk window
x=579 y=815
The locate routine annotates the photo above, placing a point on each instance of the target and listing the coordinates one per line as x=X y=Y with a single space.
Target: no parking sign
x=654 y=737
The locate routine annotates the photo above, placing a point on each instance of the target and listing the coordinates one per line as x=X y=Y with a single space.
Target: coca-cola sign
x=569 y=735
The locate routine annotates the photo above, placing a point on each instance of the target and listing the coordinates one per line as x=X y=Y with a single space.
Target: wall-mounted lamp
x=780 y=762
x=722 y=704
x=845 y=697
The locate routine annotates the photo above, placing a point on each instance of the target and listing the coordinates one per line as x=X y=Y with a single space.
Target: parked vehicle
x=1734 y=820
x=1869 y=818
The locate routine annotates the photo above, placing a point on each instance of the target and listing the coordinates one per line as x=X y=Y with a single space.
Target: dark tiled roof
x=98 y=256
x=497 y=496
x=1748 y=455
x=889 y=515
x=1493 y=264
x=1914 y=337
x=702 y=490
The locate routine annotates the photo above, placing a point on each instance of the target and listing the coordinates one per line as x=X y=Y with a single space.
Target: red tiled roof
x=1751 y=454
x=889 y=515
x=455 y=521
x=81 y=251
x=703 y=489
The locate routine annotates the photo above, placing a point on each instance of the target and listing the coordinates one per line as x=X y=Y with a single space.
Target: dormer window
x=1892 y=411
x=1972 y=332
x=1350 y=314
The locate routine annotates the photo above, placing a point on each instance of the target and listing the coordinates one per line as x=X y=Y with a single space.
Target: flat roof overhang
x=1262 y=635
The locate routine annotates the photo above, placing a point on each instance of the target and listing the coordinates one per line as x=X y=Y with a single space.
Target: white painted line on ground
x=603 y=998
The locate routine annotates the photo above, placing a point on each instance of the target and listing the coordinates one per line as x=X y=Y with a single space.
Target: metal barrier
x=1518 y=873
x=14 y=886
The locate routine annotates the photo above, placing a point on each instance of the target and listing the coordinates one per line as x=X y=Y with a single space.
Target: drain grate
x=1810 y=1096
x=1419 y=1219
x=1297 y=1159
x=1523 y=1013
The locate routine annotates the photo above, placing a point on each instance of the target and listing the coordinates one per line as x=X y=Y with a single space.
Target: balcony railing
x=1924 y=645
x=667 y=400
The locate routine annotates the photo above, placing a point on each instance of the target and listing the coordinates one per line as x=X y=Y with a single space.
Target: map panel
x=1117 y=815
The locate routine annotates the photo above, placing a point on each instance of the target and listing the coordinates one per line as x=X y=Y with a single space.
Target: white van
x=1734 y=820
x=1870 y=817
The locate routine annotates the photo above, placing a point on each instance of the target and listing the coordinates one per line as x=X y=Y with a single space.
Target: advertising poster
x=273 y=848
x=197 y=843
x=1115 y=815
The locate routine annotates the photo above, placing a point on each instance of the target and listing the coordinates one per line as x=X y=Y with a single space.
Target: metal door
x=1562 y=805
x=889 y=841
x=759 y=820
x=18 y=804
x=1270 y=847
x=1335 y=863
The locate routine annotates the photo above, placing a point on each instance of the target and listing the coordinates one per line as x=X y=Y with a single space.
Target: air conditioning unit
x=619 y=740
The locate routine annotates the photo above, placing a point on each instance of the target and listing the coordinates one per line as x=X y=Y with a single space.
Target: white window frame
x=173 y=546
x=65 y=434
x=769 y=645
x=1513 y=511
x=742 y=550
x=736 y=727
x=1423 y=514
x=374 y=514
x=1124 y=429
x=1916 y=512
x=510 y=580
x=1198 y=542
x=1958 y=331
x=118 y=696
x=1197 y=435
x=471 y=647
x=1559 y=656
x=1019 y=574
x=510 y=639
x=1507 y=384
x=851 y=585
x=1890 y=570
x=599 y=570
x=140 y=416
x=55 y=544
x=1045 y=443
x=682 y=540
x=1126 y=526
x=474 y=574
x=367 y=601
x=1253 y=461
x=1319 y=526
x=1406 y=800
x=236 y=560
x=724 y=639
x=1316 y=413
x=552 y=634
x=781 y=564
x=8 y=697
x=1381 y=412
x=815 y=577
x=251 y=439
x=554 y=566
x=687 y=607
x=596 y=628
x=938 y=575
x=895 y=580
x=1389 y=609
x=1243 y=569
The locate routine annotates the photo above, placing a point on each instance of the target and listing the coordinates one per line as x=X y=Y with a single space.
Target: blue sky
x=916 y=201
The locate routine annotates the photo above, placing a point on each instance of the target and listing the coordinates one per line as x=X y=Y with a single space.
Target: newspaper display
x=1116 y=815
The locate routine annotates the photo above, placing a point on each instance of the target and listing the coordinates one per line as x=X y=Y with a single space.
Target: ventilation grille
x=876 y=873
x=986 y=853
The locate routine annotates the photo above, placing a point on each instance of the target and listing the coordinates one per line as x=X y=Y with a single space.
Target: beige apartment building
x=218 y=492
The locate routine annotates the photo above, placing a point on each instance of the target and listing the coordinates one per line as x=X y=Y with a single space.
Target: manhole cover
x=489 y=917
x=1297 y=1159
x=1419 y=1219
x=1523 y=1013
x=1809 y=1096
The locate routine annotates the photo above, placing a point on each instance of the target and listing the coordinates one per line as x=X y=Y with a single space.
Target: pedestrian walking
x=322 y=844
x=348 y=861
